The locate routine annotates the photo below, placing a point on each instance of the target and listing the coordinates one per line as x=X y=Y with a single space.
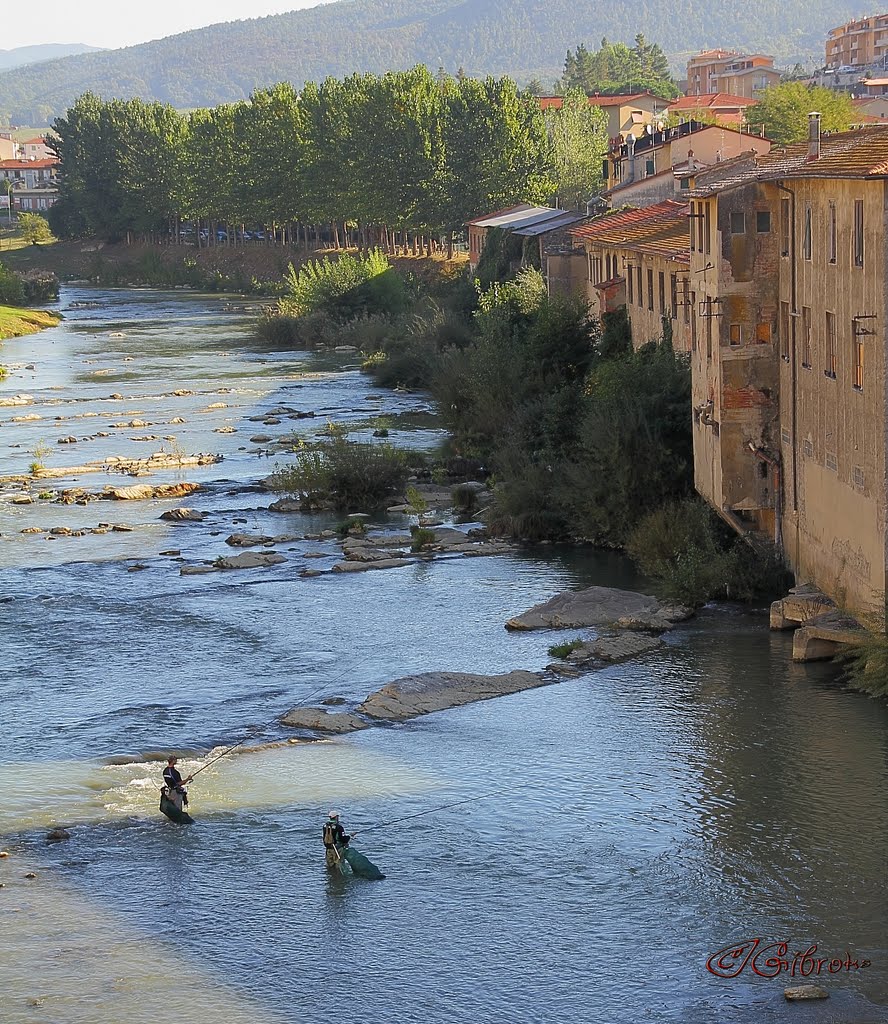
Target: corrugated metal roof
x=516 y=218
x=551 y=224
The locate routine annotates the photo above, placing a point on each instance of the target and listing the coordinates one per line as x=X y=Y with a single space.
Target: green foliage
x=617 y=68
x=783 y=111
x=321 y=284
x=4 y=372
x=39 y=286
x=354 y=526
x=680 y=545
x=465 y=499
x=696 y=558
x=579 y=137
x=422 y=538
x=188 y=71
x=564 y=650
x=12 y=290
x=34 y=228
x=342 y=473
x=417 y=503
x=866 y=661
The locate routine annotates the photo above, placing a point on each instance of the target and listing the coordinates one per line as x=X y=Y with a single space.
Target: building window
x=784 y=330
x=831 y=345
x=833 y=246
x=858 y=477
x=692 y=226
x=673 y=296
x=806 y=337
x=629 y=282
x=707 y=226
x=640 y=297
x=738 y=223
x=763 y=333
x=858 y=356
x=735 y=334
x=662 y=283
x=607 y=267
x=807 y=242
x=700 y=218
x=785 y=222
x=763 y=222
x=686 y=301
x=832 y=461
x=808 y=448
x=650 y=276
x=858 y=232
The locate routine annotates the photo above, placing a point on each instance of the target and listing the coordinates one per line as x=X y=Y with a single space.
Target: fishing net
x=359 y=864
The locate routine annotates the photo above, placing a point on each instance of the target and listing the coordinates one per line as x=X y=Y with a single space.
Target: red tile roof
x=711 y=101
x=861 y=153
x=659 y=230
x=23 y=165
x=602 y=101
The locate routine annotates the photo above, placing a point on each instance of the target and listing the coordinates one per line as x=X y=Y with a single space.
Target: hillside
x=22 y=55
x=522 y=38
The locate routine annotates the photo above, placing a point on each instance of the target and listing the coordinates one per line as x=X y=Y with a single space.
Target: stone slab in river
x=422 y=694
x=320 y=720
x=595 y=606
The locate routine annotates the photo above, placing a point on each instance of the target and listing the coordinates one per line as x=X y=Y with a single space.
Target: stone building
x=789 y=379
x=638 y=259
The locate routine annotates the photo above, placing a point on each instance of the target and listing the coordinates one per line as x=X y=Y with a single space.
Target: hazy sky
x=111 y=23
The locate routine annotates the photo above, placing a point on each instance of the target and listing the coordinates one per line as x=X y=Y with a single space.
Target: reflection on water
x=633 y=822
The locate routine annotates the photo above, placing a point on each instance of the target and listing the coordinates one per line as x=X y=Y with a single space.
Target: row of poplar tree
x=405 y=151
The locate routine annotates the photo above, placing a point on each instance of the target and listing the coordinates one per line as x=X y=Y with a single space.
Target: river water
x=635 y=821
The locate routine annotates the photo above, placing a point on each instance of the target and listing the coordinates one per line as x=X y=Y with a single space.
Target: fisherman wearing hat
x=335 y=839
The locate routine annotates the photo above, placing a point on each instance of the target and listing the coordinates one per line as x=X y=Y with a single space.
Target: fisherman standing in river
x=175 y=785
x=335 y=840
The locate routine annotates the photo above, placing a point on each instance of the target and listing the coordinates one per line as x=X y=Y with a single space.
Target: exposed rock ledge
x=600 y=606
x=422 y=694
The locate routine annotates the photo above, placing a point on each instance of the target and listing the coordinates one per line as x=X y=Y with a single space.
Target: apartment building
x=638 y=259
x=789 y=383
x=858 y=43
x=726 y=71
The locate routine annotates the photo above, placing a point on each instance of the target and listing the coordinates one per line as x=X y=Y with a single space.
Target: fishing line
x=431 y=810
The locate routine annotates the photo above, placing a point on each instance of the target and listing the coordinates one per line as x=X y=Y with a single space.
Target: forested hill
x=522 y=38
x=45 y=51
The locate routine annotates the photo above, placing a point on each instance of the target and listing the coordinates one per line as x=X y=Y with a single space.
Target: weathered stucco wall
x=832 y=431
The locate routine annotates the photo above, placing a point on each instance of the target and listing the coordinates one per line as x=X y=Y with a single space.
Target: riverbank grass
x=16 y=322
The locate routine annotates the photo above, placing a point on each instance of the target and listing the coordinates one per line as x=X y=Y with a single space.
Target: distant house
x=523 y=220
x=680 y=151
x=29 y=172
x=624 y=113
x=722 y=106
x=638 y=260
x=34 y=149
x=870 y=109
x=739 y=74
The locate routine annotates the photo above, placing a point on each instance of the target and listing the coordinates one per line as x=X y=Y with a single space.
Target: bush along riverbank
x=18 y=291
x=583 y=439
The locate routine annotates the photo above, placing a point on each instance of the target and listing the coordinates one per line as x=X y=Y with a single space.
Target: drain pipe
x=793 y=317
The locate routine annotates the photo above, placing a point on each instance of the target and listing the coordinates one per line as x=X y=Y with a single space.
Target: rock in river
x=597 y=606
x=183 y=515
x=324 y=721
x=250 y=560
x=434 y=691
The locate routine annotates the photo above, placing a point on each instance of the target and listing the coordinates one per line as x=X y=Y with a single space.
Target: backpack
x=329 y=834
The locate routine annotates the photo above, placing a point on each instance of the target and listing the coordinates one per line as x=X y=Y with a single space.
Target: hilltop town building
x=624 y=113
x=859 y=43
x=739 y=74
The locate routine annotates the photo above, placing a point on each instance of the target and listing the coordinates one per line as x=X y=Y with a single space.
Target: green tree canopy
x=783 y=111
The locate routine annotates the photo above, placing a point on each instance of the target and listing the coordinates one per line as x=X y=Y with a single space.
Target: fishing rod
x=227 y=751
x=431 y=810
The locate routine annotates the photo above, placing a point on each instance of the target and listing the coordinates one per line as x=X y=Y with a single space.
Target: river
x=635 y=821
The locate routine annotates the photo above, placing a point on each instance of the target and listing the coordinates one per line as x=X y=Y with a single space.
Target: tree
x=578 y=134
x=783 y=111
x=34 y=228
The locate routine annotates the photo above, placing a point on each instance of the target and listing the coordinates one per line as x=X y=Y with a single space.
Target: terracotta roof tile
x=711 y=100
x=660 y=230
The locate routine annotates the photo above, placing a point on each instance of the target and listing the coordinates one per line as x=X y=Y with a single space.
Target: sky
x=110 y=23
